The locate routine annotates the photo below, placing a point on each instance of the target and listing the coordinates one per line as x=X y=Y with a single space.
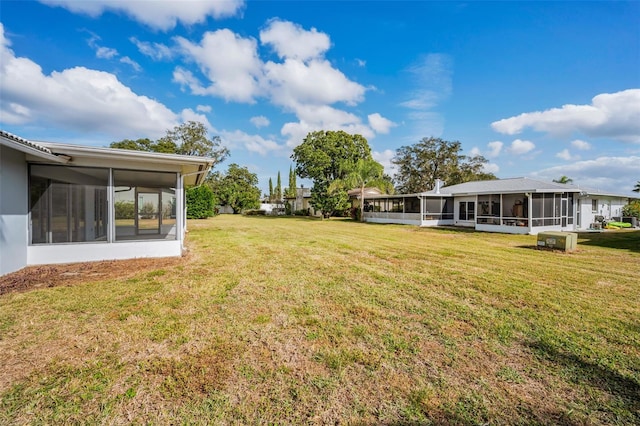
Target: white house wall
x=13 y=210
x=91 y=252
x=607 y=207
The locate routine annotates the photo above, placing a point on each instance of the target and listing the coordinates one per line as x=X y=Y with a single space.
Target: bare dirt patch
x=43 y=276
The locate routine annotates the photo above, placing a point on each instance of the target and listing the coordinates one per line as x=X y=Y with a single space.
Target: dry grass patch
x=290 y=320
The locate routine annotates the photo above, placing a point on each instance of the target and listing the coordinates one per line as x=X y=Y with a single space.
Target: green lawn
x=295 y=320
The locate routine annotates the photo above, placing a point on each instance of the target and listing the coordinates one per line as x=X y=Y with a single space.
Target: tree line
x=335 y=161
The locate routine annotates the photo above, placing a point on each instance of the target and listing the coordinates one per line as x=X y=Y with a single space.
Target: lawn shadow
x=621 y=388
x=620 y=239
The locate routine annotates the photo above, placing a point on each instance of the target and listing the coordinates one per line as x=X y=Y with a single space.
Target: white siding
x=89 y=252
x=13 y=210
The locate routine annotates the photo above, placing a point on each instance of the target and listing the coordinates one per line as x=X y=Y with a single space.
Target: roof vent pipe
x=438 y=186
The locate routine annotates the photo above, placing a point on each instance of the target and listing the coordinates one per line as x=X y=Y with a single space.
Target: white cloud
x=188 y=114
x=566 y=155
x=203 y=108
x=304 y=83
x=294 y=82
x=495 y=148
x=229 y=62
x=252 y=143
x=380 y=124
x=431 y=81
x=490 y=168
x=323 y=117
x=127 y=60
x=106 y=53
x=384 y=158
x=156 y=51
x=290 y=40
x=613 y=174
x=581 y=145
x=260 y=121
x=519 y=147
x=162 y=15
x=361 y=62
x=612 y=115
x=76 y=98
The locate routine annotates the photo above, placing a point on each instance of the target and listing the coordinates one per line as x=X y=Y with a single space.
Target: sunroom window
x=145 y=205
x=67 y=204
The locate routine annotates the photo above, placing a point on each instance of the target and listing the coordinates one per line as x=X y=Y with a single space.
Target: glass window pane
x=145 y=205
x=68 y=204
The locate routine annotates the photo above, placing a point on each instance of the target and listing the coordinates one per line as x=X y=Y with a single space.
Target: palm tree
x=362 y=174
x=563 y=179
x=637 y=187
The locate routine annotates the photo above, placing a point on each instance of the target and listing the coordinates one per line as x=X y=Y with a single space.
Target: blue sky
x=542 y=89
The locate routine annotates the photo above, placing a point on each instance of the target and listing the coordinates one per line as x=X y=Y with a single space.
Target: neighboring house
x=515 y=206
x=68 y=203
x=302 y=201
x=355 y=194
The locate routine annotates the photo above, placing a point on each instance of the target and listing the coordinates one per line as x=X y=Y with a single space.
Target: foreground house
x=515 y=206
x=67 y=203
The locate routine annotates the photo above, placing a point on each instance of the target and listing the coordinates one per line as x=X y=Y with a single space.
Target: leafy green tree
x=278 y=192
x=270 y=190
x=419 y=165
x=632 y=209
x=238 y=188
x=563 y=179
x=290 y=192
x=125 y=209
x=137 y=145
x=360 y=175
x=190 y=138
x=200 y=202
x=637 y=187
x=325 y=156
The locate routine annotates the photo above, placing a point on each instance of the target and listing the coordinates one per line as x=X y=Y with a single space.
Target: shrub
x=125 y=209
x=254 y=212
x=632 y=209
x=199 y=202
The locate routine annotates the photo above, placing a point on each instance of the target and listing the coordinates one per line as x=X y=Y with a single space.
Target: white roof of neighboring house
x=516 y=185
x=505 y=186
x=522 y=184
x=368 y=191
x=194 y=169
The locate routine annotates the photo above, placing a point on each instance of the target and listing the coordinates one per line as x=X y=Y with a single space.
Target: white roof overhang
x=194 y=169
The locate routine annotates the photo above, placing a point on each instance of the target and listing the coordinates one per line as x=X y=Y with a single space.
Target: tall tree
x=563 y=179
x=291 y=190
x=637 y=187
x=270 y=190
x=360 y=175
x=419 y=165
x=324 y=156
x=238 y=188
x=278 y=191
x=190 y=138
